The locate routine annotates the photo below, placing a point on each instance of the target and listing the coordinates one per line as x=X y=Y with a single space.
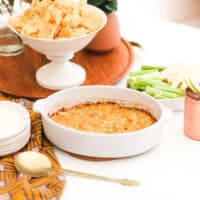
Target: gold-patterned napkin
x=18 y=186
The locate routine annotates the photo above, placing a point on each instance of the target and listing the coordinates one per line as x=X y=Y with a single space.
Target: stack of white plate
x=14 y=127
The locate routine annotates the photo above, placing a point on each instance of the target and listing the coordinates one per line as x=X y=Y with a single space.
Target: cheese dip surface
x=103 y=117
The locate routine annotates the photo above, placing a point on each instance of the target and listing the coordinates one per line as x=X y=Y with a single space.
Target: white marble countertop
x=170 y=171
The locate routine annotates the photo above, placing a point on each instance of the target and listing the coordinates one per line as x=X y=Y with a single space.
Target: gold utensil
x=37 y=165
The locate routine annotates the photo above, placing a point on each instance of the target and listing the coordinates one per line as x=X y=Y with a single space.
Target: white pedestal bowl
x=60 y=73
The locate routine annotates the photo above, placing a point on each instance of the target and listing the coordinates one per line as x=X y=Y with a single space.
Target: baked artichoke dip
x=103 y=117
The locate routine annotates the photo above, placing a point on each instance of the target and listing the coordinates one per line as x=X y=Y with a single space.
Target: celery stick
x=148 y=67
x=170 y=89
x=154 y=75
x=148 y=80
x=140 y=83
x=152 y=91
x=133 y=85
x=160 y=93
x=151 y=82
x=160 y=85
x=150 y=76
x=142 y=72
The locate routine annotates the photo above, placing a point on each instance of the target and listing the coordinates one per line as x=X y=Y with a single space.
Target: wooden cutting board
x=17 y=74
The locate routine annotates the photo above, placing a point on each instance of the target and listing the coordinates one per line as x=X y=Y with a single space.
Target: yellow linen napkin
x=18 y=186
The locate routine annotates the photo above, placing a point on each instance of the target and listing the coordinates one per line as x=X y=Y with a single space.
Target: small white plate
x=17 y=138
x=14 y=127
x=14 y=119
x=15 y=148
x=10 y=142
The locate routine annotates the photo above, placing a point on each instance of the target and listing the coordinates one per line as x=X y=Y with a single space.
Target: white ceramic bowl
x=176 y=104
x=61 y=73
x=97 y=144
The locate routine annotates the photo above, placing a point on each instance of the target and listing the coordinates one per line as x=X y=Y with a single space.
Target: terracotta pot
x=109 y=37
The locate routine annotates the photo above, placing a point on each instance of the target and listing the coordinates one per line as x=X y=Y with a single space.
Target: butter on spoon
x=37 y=165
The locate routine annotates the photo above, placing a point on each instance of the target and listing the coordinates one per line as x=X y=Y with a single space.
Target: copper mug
x=192 y=115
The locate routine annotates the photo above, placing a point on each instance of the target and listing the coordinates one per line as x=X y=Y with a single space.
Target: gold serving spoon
x=37 y=164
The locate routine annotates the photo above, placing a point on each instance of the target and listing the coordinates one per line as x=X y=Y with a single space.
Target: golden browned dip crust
x=103 y=117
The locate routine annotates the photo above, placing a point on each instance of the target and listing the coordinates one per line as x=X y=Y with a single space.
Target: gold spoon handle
x=101 y=178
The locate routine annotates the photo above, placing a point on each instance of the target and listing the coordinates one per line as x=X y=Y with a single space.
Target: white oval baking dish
x=97 y=144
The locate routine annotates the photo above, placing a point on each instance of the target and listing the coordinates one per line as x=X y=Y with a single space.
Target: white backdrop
x=178 y=10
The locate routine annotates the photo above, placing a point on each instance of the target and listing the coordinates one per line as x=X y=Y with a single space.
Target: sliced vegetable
x=193 y=81
x=148 y=67
x=142 y=72
x=190 y=85
x=153 y=75
x=150 y=80
x=174 y=75
x=157 y=93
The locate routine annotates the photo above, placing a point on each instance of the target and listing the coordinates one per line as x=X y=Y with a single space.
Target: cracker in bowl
x=56 y=19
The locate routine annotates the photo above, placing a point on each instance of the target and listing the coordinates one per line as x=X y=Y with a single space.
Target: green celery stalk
x=142 y=72
x=170 y=89
x=133 y=85
x=150 y=76
x=152 y=83
x=157 y=93
x=148 y=67
x=139 y=83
